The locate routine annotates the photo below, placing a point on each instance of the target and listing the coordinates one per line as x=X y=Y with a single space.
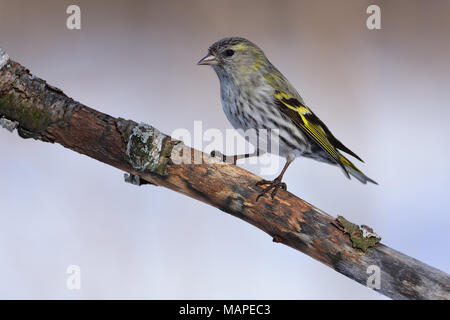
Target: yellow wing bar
x=314 y=130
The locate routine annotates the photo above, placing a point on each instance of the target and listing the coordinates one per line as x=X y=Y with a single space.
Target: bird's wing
x=311 y=125
x=294 y=106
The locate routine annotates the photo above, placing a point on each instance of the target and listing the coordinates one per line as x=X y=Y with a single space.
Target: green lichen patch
x=148 y=149
x=35 y=114
x=362 y=237
x=31 y=118
x=166 y=152
x=143 y=148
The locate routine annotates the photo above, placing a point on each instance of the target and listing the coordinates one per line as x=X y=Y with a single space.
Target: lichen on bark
x=4 y=58
x=362 y=237
x=32 y=120
x=148 y=149
x=31 y=102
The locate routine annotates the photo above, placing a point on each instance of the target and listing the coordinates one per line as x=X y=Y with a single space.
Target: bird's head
x=236 y=57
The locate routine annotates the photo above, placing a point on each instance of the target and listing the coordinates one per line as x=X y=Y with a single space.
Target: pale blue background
x=384 y=93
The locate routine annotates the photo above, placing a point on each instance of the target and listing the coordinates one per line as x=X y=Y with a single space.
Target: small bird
x=255 y=95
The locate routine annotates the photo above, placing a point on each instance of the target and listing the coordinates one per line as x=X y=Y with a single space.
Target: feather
x=310 y=124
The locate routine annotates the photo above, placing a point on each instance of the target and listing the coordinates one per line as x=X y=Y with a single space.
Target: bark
x=40 y=111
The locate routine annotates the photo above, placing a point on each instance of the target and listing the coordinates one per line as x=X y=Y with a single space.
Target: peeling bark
x=43 y=112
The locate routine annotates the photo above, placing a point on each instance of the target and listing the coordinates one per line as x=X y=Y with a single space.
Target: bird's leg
x=275 y=184
x=235 y=158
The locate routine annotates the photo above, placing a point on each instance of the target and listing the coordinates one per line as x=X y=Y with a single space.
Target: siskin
x=255 y=95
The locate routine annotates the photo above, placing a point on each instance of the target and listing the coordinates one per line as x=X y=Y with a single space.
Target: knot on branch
x=148 y=150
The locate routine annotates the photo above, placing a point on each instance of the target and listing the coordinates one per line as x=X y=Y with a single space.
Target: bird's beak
x=208 y=60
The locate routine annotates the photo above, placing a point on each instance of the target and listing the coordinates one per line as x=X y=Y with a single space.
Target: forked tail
x=354 y=171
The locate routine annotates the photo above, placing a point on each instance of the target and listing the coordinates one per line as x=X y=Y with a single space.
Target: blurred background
x=384 y=93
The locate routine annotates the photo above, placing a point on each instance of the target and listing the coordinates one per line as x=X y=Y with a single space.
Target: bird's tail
x=351 y=169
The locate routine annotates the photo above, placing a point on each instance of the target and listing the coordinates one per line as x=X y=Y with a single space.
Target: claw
x=275 y=185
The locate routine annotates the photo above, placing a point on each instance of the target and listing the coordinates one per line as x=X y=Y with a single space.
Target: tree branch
x=45 y=113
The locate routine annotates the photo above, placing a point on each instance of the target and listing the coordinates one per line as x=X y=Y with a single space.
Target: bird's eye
x=229 y=52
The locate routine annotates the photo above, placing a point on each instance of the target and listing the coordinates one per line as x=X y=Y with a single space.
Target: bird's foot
x=275 y=185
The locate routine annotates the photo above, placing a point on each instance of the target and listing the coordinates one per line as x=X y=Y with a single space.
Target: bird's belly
x=259 y=122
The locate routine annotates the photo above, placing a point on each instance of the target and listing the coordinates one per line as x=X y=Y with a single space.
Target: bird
x=256 y=96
